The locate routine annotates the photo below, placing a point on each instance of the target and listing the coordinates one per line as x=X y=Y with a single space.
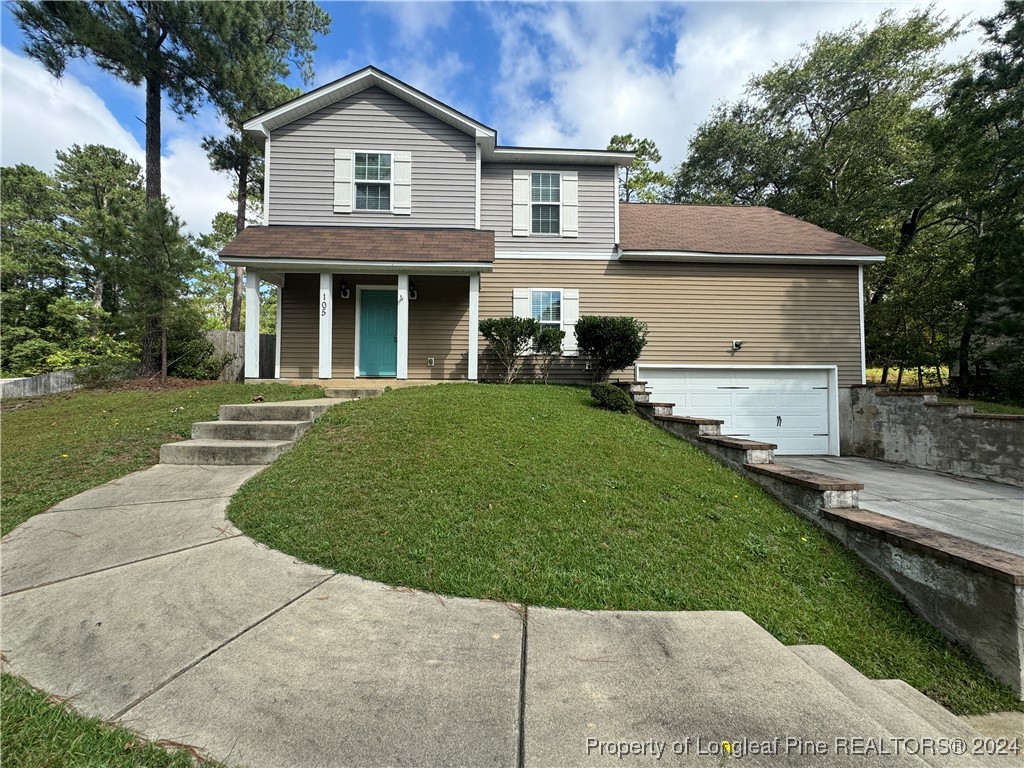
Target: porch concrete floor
x=978 y=510
x=365 y=383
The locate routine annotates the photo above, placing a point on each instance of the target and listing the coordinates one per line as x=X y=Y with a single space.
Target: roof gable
x=350 y=85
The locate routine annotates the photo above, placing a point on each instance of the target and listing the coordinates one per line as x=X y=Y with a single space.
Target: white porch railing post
x=325 y=310
x=402 y=371
x=474 y=324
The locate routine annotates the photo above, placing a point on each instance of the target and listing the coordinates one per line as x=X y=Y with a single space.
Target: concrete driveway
x=978 y=510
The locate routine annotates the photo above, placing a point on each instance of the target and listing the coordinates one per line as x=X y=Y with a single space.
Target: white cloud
x=574 y=75
x=40 y=115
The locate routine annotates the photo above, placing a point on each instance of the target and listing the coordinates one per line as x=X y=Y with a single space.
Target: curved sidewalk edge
x=141 y=602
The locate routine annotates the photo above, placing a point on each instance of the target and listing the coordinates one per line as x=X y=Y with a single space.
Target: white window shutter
x=402 y=169
x=570 y=204
x=342 y=181
x=570 y=314
x=520 y=203
x=521 y=302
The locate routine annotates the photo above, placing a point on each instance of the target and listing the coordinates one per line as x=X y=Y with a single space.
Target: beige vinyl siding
x=302 y=163
x=785 y=314
x=596 y=209
x=439 y=328
x=300 y=329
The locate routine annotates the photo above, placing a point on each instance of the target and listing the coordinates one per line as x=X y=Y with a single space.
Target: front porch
x=378 y=303
x=368 y=327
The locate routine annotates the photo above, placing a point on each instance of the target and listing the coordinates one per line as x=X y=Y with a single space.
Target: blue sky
x=542 y=74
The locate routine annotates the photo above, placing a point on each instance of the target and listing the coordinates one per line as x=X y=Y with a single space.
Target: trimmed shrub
x=548 y=348
x=509 y=338
x=610 y=342
x=611 y=397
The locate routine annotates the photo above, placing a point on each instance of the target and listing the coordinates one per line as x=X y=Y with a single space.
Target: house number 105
x=323 y=306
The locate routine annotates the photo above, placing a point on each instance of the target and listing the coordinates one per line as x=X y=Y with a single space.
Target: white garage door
x=788 y=407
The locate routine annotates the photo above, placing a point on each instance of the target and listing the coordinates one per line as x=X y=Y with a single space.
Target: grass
x=57 y=446
x=531 y=494
x=40 y=731
x=983 y=406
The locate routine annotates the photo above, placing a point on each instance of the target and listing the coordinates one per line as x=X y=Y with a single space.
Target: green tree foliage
x=548 y=348
x=639 y=183
x=868 y=133
x=285 y=41
x=610 y=342
x=189 y=51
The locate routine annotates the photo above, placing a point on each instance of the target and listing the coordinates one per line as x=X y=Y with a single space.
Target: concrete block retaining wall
x=43 y=384
x=972 y=600
x=919 y=431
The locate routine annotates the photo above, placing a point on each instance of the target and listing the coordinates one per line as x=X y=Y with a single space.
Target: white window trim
x=390 y=182
x=561 y=294
x=561 y=196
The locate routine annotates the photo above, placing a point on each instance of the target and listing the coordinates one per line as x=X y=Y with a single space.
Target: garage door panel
x=751 y=403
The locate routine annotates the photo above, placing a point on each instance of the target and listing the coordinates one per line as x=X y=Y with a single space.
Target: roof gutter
x=749 y=258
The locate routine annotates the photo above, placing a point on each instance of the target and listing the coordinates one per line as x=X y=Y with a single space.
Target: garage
x=793 y=407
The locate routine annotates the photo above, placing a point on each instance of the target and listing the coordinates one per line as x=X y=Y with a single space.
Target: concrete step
x=893 y=714
x=941 y=719
x=223 y=452
x=350 y=393
x=292 y=410
x=667 y=675
x=249 y=430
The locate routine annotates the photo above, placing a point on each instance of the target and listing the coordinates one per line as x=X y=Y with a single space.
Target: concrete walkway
x=977 y=510
x=140 y=602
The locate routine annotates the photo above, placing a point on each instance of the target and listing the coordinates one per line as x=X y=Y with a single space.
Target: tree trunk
x=899 y=378
x=885 y=375
x=150 y=362
x=243 y=200
x=963 y=383
x=163 y=356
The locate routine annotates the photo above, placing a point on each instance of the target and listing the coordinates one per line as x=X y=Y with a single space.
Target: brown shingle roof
x=733 y=229
x=362 y=244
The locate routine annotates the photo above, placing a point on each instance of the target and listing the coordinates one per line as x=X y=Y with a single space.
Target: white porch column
x=252 y=324
x=402 y=371
x=326 y=312
x=277 y=334
x=474 y=324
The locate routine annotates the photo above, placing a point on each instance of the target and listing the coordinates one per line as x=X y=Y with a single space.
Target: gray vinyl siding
x=302 y=163
x=596 y=209
x=785 y=314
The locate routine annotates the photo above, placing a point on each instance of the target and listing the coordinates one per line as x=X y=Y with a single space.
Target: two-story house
x=394 y=223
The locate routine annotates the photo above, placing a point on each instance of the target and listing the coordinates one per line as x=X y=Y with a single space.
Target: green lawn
x=54 y=447
x=40 y=732
x=529 y=493
x=983 y=406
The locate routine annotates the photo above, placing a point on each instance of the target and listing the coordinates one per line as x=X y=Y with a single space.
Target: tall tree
x=983 y=136
x=638 y=182
x=189 y=51
x=255 y=84
x=103 y=197
x=842 y=136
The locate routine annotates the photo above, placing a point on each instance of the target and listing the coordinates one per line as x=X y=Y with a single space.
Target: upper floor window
x=373 y=181
x=545 y=203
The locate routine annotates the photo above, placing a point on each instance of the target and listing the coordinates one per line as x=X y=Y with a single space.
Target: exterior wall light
x=343 y=290
x=737 y=345
x=412 y=292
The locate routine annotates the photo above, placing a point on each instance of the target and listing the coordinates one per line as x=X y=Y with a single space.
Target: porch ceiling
x=371 y=248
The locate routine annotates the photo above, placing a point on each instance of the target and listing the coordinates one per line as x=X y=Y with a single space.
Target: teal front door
x=378 y=333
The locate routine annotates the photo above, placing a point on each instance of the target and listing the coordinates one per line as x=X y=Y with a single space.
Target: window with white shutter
x=554 y=307
x=545 y=203
x=372 y=182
